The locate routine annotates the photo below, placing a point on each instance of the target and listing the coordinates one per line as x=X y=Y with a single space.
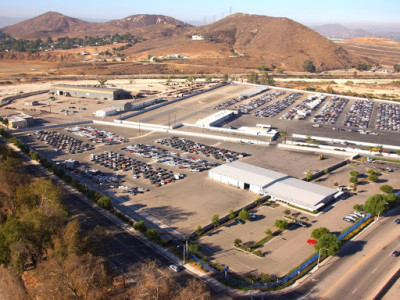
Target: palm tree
x=283 y=135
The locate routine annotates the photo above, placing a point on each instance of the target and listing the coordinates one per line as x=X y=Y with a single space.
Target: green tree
x=358 y=207
x=396 y=68
x=208 y=78
x=328 y=244
x=215 y=220
x=102 y=81
x=387 y=189
x=373 y=177
x=191 y=78
x=266 y=79
x=353 y=180
x=152 y=234
x=354 y=173
x=140 y=226
x=318 y=232
x=194 y=248
x=252 y=77
x=268 y=232
x=225 y=78
x=281 y=224
x=363 y=67
x=376 y=205
x=309 y=175
x=231 y=214
x=199 y=231
x=244 y=215
x=309 y=66
x=105 y=202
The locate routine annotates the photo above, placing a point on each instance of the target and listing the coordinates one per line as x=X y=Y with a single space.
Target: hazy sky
x=304 y=11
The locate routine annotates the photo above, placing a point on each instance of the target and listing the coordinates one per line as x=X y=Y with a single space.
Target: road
x=122 y=249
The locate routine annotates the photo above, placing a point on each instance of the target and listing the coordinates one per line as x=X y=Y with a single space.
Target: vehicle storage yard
x=163 y=175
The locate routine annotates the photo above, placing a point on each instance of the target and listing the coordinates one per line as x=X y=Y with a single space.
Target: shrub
x=268 y=232
x=152 y=234
x=237 y=241
x=199 y=231
x=140 y=226
x=244 y=215
x=104 y=202
x=373 y=177
x=194 y=248
x=286 y=211
x=258 y=253
x=281 y=224
x=354 y=173
x=387 y=189
x=215 y=220
x=231 y=214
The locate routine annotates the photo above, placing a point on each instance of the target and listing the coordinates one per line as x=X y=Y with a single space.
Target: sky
x=309 y=12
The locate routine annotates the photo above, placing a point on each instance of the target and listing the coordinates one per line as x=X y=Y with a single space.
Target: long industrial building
x=82 y=91
x=277 y=185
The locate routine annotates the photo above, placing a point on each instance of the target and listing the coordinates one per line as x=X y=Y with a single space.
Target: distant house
x=20 y=121
x=122 y=106
x=199 y=38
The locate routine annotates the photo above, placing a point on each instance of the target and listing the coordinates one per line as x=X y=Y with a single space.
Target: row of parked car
x=354 y=216
x=304 y=109
x=275 y=108
x=257 y=102
x=359 y=114
x=174 y=159
x=97 y=135
x=228 y=103
x=388 y=117
x=192 y=147
x=331 y=111
x=62 y=141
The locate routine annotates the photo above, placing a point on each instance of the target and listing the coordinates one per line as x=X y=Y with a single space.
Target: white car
x=175 y=268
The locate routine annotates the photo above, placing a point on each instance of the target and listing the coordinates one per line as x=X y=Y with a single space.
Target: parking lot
x=388 y=117
x=359 y=114
x=159 y=175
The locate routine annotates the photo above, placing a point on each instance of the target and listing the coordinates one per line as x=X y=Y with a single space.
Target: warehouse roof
x=249 y=174
x=84 y=88
x=299 y=192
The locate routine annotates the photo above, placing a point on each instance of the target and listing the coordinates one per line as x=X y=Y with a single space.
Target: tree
x=281 y=224
x=376 y=205
x=252 y=77
x=152 y=234
x=266 y=79
x=105 y=202
x=373 y=177
x=328 y=244
x=194 y=248
x=363 y=67
x=140 y=226
x=286 y=211
x=208 y=78
x=396 y=68
x=387 y=189
x=283 y=135
x=191 y=78
x=215 y=220
x=268 y=232
x=244 y=215
x=358 y=207
x=102 y=81
x=353 y=180
x=354 y=173
x=231 y=214
x=309 y=66
x=309 y=175
x=199 y=231
x=194 y=289
x=318 y=232
x=225 y=78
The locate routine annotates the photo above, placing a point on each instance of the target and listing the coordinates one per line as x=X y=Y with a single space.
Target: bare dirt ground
x=10 y=286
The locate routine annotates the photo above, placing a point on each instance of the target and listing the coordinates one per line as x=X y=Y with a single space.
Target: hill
x=337 y=31
x=380 y=50
x=277 y=41
x=53 y=24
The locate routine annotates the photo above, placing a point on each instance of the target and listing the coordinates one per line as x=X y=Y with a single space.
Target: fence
x=236 y=282
x=315 y=257
x=348 y=231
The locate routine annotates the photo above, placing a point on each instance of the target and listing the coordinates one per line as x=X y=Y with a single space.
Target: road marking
x=372 y=252
x=374 y=271
x=354 y=291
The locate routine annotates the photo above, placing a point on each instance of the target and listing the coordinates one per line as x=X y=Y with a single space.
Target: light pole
x=319 y=255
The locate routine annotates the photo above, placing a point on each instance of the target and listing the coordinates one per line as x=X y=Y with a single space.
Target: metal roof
x=299 y=192
x=249 y=174
x=83 y=88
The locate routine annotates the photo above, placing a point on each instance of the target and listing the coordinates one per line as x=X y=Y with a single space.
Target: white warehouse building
x=277 y=185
